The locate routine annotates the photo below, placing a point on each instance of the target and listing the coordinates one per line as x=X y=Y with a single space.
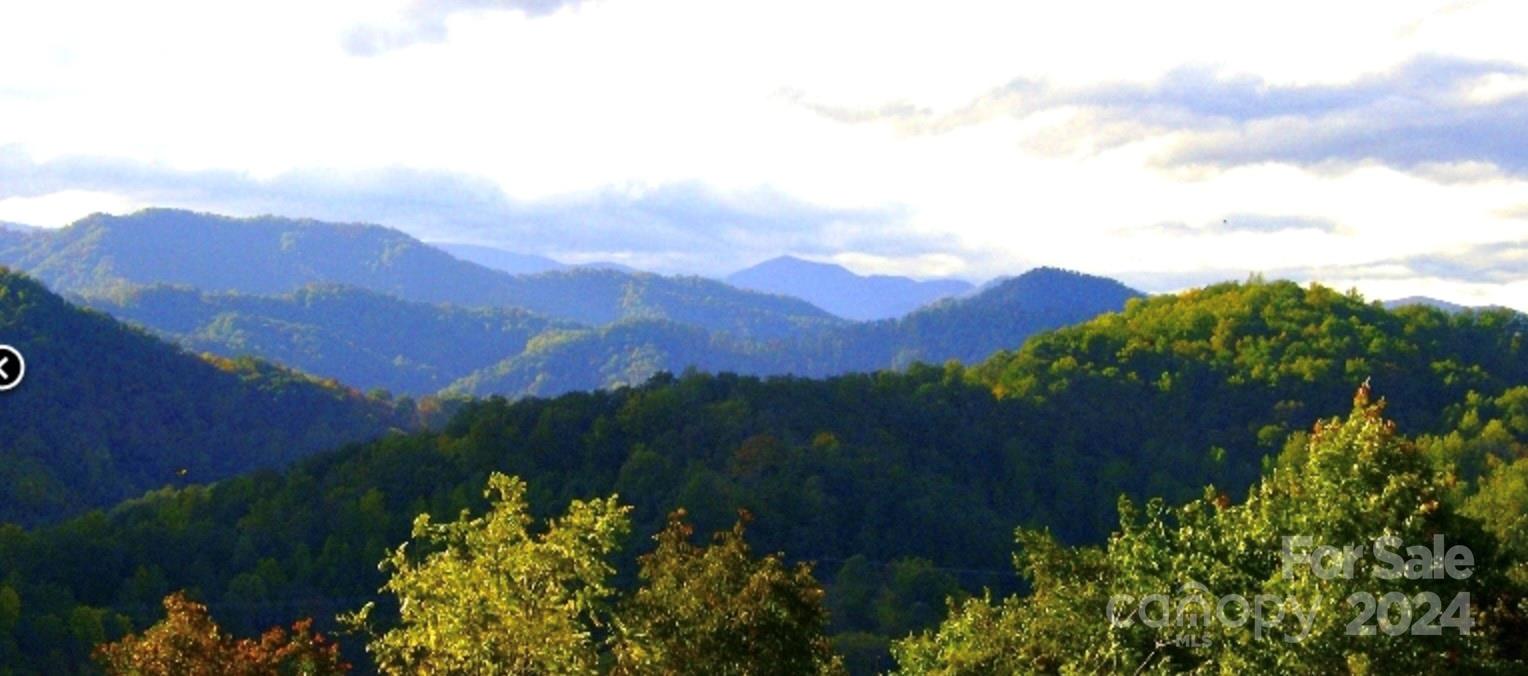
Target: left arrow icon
x=12 y=367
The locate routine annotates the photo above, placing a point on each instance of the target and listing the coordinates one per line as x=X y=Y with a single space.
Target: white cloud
x=543 y=102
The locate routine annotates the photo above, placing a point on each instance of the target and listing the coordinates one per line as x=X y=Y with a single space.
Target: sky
x=1381 y=146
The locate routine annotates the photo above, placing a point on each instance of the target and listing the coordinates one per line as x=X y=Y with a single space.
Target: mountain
x=269 y=256
x=919 y=476
x=1426 y=302
x=13 y=236
x=601 y=296
x=965 y=329
x=375 y=308
x=843 y=293
x=608 y=265
x=621 y=354
x=359 y=337
x=971 y=328
x=499 y=259
x=106 y=412
x=11 y=239
x=17 y=227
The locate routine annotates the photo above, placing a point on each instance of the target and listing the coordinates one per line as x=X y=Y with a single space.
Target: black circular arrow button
x=12 y=367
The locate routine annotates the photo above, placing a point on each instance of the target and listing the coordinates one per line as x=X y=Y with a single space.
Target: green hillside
x=966 y=330
x=361 y=338
x=107 y=412
x=903 y=486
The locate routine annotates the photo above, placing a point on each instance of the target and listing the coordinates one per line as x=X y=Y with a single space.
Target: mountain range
x=139 y=468
x=363 y=338
x=502 y=260
x=904 y=487
x=17 y=227
x=843 y=293
x=270 y=255
x=375 y=308
x=371 y=340
x=964 y=329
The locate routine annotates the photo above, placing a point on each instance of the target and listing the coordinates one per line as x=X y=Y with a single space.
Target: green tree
x=718 y=610
x=488 y=596
x=1357 y=481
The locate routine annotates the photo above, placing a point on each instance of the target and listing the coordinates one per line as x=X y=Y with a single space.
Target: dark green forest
x=904 y=487
x=108 y=412
x=362 y=338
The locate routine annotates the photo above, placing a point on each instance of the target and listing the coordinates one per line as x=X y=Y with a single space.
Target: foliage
x=932 y=463
x=188 y=643
x=718 y=610
x=1355 y=482
x=490 y=597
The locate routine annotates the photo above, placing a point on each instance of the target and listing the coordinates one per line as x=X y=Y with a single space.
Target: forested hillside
x=970 y=329
x=107 y=412
x=362 y=338
x=371 y=340
x=966 y=330
x=903 y=486
x=622 y=354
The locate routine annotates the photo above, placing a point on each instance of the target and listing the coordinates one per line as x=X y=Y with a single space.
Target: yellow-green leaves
x=486 y=595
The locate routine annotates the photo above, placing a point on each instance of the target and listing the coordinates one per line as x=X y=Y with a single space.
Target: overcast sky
x=1380 y=145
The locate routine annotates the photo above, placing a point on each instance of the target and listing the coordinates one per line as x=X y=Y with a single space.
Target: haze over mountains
x=1074 y=391
x=843 y=293
x=270 y=255
x=375 y=308
x=826 y=285
x=502 y=260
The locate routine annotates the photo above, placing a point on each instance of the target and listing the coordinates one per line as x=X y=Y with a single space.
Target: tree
x=1151 y=599
x=719 y=610
x=189 y=643
x=488 y=596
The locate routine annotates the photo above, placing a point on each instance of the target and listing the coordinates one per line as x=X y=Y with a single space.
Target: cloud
x=1017 y=98
x=1267 y=224
x=424 y=22
x=679 y=227
x=1446 y=118
x=1501 y=262
x=1492 y=269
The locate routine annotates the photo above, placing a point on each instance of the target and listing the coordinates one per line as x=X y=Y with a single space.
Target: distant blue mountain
x=272 y=256
x=502 y=260
x=17 y=227
x=608 y=265
x=1424 y=301
x=844 y=293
